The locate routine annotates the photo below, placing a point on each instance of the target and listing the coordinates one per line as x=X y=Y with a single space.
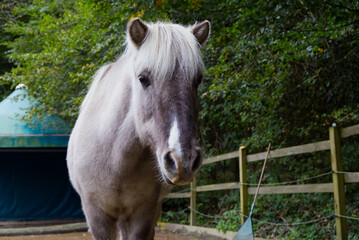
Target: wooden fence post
x=243 y=189
x=192 y=219
x=338 y=182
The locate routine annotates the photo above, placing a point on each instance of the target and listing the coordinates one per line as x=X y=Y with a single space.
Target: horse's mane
x=166 y=48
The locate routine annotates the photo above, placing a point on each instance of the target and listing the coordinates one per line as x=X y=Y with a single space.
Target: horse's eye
x=144 y=80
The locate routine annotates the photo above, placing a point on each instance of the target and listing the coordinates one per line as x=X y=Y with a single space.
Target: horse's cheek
x=147 y=107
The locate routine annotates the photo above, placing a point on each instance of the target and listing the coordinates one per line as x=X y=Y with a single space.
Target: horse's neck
x=107 y=104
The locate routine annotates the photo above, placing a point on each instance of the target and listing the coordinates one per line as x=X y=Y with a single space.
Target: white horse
x=135 y=137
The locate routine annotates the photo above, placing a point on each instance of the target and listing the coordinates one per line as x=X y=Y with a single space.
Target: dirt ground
x=161 y=234
x=87 y=236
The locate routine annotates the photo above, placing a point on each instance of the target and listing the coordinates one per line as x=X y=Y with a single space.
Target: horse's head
x=167 y=69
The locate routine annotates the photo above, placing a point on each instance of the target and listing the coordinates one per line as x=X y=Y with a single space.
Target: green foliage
x=284 y=72
x=230 y=222
x=175 y=211
x=5 y=14
x=175 y=216
x=277 y=71
x=60 y=44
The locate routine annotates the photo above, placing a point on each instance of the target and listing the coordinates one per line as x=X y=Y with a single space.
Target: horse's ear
x=137 y=31
x=201 y=31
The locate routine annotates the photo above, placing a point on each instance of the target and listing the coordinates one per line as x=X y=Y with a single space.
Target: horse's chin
x=167 y=180
x=175 y=182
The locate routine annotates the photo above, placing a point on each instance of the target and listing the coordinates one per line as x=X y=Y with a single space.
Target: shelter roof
x=15 y=131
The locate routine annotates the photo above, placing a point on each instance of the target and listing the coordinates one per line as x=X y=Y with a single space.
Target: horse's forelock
x=166 y=47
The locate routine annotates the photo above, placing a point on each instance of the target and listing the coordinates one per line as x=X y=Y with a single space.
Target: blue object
x=50 y=131
x=34 y=182
x=246 y=230
x=35 y=185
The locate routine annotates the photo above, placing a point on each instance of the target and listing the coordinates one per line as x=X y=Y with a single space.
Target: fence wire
x=345 y=172
x=266 y=222
x=289 y=182
x=272 y=223
x=347 y=217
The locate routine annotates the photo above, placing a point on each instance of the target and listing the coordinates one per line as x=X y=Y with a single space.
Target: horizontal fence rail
x=222 y=157
x=179 y=195
x=284 y=152
x=352 y=177
x=303 y=188
x=350 y=131
x=336 y=187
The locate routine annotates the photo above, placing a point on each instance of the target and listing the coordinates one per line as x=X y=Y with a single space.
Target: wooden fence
x=337 y=186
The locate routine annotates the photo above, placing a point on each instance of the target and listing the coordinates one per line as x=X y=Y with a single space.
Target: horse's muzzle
x=180 y=170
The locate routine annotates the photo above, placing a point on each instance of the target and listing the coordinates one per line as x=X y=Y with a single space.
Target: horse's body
x=135 y=135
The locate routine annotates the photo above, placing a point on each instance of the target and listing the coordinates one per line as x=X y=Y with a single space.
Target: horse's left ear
x=201 y=31
x=137 y=31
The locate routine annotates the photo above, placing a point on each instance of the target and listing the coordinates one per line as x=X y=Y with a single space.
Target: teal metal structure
x=34 y=182
x=51 y=131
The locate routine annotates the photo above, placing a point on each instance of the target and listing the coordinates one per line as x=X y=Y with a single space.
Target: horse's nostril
x=197 y=162
x=170 y=163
